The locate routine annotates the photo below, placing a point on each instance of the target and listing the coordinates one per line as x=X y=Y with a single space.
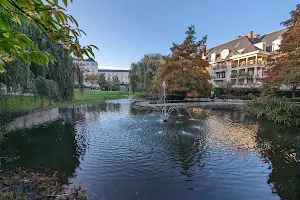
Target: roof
x=89 y=59
x=245 y=45
x=269 y=38
x=113 y=70
x=242 y=44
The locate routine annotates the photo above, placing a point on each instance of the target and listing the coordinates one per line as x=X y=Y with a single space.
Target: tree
x=20 y=76
x=79 y=78
x=102 y=81
x=184 y=69
x=115 y=83
x=52 y=21
x=133 y=78
x=92 y=79
x=143 y=72
x=287 y=69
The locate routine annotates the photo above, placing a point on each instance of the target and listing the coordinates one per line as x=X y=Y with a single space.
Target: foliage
x=79 y=78
x=184 y=69
x=143 y=72
x=46 y=89
x=102 y=80
x=286 y=71
x=93 y=79
x=295 y=99
x=275 y=110
x=21 y=184
x=52 y=21
x=19 y=76
x=114 y=83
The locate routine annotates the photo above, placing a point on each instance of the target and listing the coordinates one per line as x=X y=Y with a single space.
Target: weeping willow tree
x=142 y=73
x=54 y=82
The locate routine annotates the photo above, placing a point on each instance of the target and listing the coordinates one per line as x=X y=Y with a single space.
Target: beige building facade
x=242 y=61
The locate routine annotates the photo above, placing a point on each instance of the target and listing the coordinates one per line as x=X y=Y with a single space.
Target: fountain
x=163 y=110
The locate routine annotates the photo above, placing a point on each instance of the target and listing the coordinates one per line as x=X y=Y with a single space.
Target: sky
x=126 y=30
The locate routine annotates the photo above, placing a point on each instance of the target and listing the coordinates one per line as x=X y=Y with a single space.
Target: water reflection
x=276 y=145
x=117 y=152
x=51 y=146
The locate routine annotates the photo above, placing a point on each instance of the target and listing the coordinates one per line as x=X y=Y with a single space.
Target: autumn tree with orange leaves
x=286 y=71
x=184 y=69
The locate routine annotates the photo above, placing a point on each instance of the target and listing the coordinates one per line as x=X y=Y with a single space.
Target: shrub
x=276 y=110
x=174 y=97
x=295 y=99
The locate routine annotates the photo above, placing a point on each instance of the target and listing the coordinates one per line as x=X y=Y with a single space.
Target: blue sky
x=125 y=30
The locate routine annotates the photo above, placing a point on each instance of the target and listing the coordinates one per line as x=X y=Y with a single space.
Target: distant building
x=87 y=66
x=242 y=61
x=122 y=74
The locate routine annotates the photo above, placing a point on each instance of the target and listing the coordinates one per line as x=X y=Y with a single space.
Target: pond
x=117 y=152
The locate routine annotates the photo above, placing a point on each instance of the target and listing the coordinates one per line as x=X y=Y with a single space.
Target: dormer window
x=275 y=47
x=240 y=51
x=213 y=57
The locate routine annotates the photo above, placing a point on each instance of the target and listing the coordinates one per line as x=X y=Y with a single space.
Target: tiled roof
x=113 y=70
x=241 y=44
x=269 y=38
x=244 y=45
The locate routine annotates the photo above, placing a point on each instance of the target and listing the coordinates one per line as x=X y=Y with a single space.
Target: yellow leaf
x=5 y=35
x=7 y=59
x=17 y=19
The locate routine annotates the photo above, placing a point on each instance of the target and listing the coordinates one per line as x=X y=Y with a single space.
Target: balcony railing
x=249 y=63
x=219 y=67
x=214 y=77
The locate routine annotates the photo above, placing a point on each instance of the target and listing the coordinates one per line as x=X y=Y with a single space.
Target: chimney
x=250 y=34
x=238 y=36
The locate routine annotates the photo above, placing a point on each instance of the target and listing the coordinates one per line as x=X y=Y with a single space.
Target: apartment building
x=123 y=75
x=242 y=61
x=88 y=66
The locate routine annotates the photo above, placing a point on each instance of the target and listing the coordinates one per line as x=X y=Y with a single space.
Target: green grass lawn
x=22 y=103
x=98 y=95
x=27 y=103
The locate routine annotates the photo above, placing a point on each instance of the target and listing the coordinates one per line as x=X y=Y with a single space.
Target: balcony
x=250 y=64
x=219 y=67
x=214 y=77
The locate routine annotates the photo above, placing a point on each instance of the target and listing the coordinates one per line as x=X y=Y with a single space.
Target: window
x=275 y=47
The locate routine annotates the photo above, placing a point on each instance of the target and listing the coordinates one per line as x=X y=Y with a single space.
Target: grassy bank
x=103 y=95
x=28 y=103
x=275 y=110
x=22 y=103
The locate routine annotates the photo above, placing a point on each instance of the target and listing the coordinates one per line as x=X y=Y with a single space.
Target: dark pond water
x=118 y=154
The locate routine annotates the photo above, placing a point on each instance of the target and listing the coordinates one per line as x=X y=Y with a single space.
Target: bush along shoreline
x=21 y=184
x=275 y=110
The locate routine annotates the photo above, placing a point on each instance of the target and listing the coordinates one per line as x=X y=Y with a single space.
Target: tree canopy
x=184 y=69
x=53 y=82
x=93 y=79
x=142 y=73
x=115 y=83
x=287 y=68
x=52 y=21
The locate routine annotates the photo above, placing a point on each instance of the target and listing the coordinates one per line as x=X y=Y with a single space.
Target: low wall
x=231 y=104
x=33 y=119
